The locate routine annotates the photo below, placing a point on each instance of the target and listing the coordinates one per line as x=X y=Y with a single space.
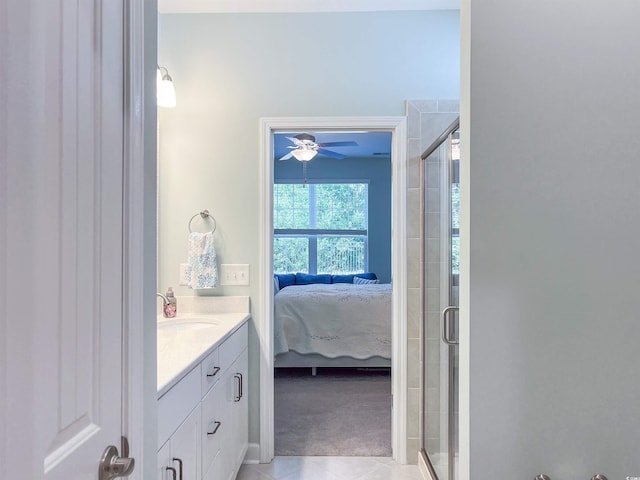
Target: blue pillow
x=342 y=278
x=363 y=281
x=349 y=278
x=286 y=279
x=368 y=275
x=306 y=279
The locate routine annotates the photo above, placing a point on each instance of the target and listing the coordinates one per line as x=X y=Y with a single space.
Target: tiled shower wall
x=426 y=120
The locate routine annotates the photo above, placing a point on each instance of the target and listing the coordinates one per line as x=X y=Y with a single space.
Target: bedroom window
x=320 y=227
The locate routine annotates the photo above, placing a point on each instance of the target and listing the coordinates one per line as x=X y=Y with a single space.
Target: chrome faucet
x=165 y=302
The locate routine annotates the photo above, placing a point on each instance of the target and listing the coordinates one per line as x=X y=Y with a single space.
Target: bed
x=333 y=325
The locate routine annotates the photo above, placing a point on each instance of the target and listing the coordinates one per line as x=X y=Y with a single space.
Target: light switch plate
x=183 y=274
x=234 y=274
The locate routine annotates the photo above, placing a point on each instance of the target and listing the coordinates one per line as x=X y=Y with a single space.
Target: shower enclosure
x=440 y=207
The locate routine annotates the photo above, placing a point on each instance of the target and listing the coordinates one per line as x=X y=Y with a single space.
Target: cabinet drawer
x=175 y=405
x=216 y=423
x=233 y=346
x=211 y=371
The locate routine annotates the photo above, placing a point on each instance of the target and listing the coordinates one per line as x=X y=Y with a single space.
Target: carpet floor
x=339 y=412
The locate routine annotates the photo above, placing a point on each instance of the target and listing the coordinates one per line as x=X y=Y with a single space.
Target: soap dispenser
x=171 y=307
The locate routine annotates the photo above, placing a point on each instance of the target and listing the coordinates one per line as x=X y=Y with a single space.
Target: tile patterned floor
x=330 y=468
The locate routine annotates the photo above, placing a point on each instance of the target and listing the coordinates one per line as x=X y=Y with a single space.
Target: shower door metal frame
x=449 y=283
x=446 y=294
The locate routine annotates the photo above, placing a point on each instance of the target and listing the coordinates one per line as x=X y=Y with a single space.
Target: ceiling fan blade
x=330 y=153
x=338 y=144
x=287 y=156
x=294 y=140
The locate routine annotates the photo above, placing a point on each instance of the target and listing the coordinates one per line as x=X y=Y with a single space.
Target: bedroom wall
x=230 y=70
x=378 y=172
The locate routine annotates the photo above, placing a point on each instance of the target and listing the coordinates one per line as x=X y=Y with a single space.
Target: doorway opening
x=332 y=286
x=316 y=245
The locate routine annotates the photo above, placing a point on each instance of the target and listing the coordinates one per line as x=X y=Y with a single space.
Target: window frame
x=313 y=234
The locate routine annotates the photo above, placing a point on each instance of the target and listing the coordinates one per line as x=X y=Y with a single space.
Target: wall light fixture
x=165 y=91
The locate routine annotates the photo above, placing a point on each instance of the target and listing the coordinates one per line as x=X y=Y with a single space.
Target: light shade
x=304 y=154
x=165 y=91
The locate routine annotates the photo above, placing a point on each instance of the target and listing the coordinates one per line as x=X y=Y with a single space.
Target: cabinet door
x=218 y=468
x=216 y=424
x=185 y=447
x=240 y=410
x=230 y=391
x=164 y=461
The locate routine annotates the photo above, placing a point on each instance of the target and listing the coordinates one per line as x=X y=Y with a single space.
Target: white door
x=62 y=233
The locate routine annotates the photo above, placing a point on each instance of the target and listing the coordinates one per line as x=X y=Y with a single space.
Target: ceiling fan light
x=304 y=154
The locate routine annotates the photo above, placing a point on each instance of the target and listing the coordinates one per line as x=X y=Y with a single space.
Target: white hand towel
x=202 y=270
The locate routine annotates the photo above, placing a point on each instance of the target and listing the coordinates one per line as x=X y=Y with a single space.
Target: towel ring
x=204 y=214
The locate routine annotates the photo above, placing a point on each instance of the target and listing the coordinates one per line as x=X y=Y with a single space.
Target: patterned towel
x=202 y=270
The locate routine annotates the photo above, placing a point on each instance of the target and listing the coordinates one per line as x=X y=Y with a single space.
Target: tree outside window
x=320 y=227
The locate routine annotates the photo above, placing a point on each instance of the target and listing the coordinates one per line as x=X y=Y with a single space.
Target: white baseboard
x=424 y=471
x=253 y=454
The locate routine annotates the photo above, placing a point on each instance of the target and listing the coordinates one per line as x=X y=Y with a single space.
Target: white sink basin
x=186 y=323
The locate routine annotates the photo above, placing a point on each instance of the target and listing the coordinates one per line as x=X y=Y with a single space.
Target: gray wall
x=230 y=70
x=554 y=274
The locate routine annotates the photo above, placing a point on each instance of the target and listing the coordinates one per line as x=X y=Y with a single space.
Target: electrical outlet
x=182 y=278
x=234 y=274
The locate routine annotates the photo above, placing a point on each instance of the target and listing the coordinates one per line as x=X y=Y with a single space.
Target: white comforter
x=334 y=320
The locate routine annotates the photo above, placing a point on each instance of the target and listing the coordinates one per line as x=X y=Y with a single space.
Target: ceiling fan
x=304 y=148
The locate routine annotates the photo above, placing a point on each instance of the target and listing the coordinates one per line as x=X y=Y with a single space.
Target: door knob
x=113 y=466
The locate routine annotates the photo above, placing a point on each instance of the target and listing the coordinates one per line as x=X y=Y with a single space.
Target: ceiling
x=301 y=6
x=370 y=144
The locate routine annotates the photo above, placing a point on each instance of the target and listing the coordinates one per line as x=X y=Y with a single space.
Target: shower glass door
x=440 y=305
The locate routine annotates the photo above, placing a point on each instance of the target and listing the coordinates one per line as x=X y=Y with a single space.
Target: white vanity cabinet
x=240 y=413
x=203 y=418
x=225 y=416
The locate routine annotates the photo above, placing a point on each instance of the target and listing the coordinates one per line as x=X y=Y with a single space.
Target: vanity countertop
x=187 y=339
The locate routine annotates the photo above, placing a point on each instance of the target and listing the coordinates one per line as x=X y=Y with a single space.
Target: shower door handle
x=445 y=325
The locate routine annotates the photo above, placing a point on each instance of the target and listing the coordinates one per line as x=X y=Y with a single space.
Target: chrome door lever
x=112 y=466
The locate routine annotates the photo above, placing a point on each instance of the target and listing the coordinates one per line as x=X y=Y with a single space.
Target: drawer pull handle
x=179 y=463
x=214 y=373
x=236 y=398
x=173 y=471
x=217 y=424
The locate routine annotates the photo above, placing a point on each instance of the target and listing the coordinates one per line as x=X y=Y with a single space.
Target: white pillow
x=363 y=281
x=276 y=285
